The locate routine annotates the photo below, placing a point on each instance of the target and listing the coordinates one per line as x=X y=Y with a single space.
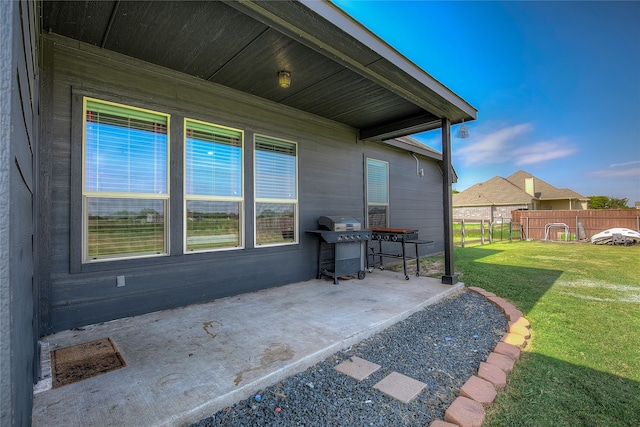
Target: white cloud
x=501 y=147
x=615 y=165
x=542 y=151
x=491 y=148
x=617 y=173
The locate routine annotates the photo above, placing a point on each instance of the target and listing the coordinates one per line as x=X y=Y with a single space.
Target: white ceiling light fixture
x=462 y=132
x=284 y=79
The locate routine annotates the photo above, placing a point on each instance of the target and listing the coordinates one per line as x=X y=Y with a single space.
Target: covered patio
x=184 y=364
x=165 y=70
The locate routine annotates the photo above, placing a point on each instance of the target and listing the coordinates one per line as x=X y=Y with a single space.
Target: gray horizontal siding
x=18 y=143
x=415 y=201
x=331 y=182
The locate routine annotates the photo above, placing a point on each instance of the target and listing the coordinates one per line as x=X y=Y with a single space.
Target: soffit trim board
x=404 y=127
x=411 y=149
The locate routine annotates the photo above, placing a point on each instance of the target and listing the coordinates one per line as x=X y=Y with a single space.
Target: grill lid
x=339 y=223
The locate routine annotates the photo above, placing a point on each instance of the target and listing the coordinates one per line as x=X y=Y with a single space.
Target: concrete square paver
x=357 y=368
x=400 y=387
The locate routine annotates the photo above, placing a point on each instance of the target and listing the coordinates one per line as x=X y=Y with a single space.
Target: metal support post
x=449 y=278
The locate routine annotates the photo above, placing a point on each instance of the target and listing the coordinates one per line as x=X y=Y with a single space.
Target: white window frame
x=193 y=197
x=87 y=195
x=377 y=203
x=257 y=200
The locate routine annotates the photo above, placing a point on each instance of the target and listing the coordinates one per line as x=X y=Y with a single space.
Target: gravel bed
x=441 y=346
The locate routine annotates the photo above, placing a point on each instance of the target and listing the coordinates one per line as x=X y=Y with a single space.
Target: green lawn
x=582 y=365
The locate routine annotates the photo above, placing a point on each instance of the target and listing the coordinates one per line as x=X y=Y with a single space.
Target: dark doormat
x=82 y=361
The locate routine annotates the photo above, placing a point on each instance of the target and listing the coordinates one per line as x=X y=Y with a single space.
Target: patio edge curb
x=460 y=413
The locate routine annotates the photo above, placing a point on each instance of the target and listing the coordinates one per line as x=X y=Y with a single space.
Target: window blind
x=275 y=171
x=377 y=181
x=125 y=150
x=213 y=161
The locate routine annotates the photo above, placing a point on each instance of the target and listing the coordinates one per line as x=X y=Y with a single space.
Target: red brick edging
x=479 y=391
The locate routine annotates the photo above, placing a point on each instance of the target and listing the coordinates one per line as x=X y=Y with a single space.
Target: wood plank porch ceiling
x=339 y=70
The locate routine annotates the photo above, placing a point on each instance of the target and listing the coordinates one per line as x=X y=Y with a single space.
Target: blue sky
x=556 y=85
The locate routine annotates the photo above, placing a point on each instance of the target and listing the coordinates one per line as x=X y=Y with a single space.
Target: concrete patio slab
x=187 y=363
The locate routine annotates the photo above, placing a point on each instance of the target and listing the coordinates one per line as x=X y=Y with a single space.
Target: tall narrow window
x=125 y=181
x=276 y=188
x=213 y=187
x=377 y=193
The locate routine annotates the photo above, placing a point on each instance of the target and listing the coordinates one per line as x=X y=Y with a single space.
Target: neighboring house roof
x=496 y=191
x=511 y=191
x=543 y=190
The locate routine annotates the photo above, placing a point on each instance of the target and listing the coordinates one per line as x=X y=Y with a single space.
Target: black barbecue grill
x=342 y=247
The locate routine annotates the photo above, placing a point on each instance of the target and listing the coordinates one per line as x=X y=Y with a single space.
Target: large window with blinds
x=377 y=193
x=213 y=187
x=125 y=185
x=276 y=191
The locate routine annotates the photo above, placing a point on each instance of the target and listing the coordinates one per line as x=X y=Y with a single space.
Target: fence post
x=527 y=228
x=491 y=232
x=462 y=232
x=482 y=231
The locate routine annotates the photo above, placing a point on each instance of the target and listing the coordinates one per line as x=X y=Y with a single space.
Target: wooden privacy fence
x=573 y=225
